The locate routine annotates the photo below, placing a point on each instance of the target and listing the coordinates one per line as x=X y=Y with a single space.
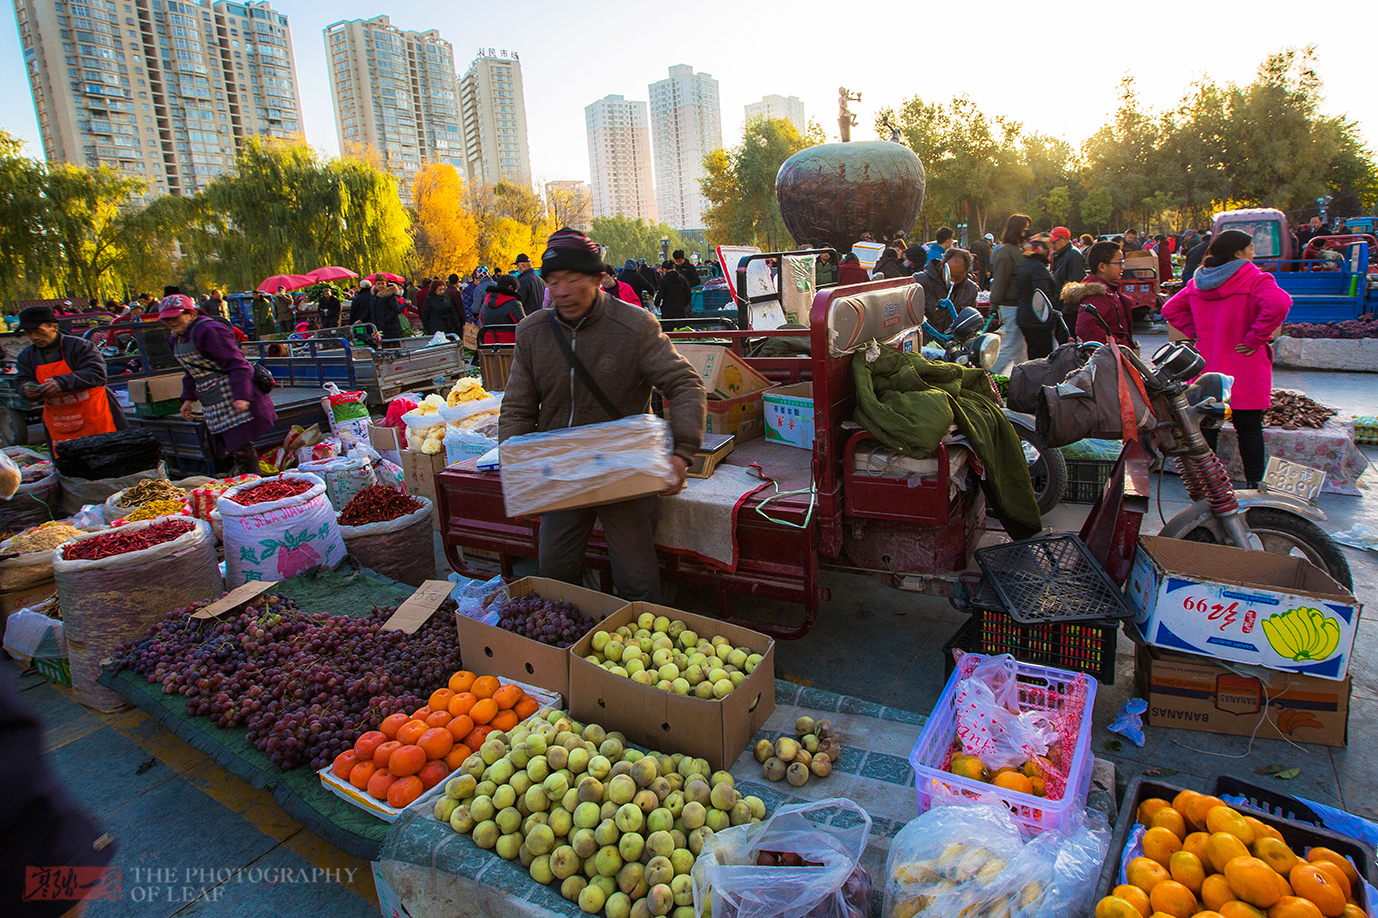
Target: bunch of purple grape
x=552 y=622
x=304 y=685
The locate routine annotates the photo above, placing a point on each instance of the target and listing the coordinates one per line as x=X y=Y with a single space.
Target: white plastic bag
x=465 y=444
x=343 y=478
x=278 y=539
x=30 y=633
x=726 y=867
x=971 y=860
x=464 y=411
x=989 y=722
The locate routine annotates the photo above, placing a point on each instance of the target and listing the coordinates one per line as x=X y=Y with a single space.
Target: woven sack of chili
x=400 y=548
x=36 y=501
x=280 y=536
x=117 y=595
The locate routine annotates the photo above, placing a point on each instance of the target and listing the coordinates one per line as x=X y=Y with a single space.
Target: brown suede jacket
x=625 y=352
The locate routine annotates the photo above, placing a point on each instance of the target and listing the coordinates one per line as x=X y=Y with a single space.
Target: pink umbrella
x=392 y=277
x=331 y=273
x=289 y=281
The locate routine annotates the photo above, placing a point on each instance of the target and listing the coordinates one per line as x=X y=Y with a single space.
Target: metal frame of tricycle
x=775 y=561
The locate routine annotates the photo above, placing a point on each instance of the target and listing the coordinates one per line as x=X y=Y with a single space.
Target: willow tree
x=445 y=234
x=85 y=220
x=25 y=254
x=369 y=230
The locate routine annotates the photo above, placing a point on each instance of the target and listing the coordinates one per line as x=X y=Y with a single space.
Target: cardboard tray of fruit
x=1308 y=845
x=361 y=798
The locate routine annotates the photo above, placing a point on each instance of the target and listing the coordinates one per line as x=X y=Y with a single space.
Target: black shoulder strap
x=579 y=369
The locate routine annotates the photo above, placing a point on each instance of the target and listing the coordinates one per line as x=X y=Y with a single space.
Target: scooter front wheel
x=1284 y=533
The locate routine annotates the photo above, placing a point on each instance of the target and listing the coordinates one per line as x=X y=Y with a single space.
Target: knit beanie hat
x=571 y=250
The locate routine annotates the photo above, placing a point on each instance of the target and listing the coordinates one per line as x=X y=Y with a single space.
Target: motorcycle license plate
x=1292 y=479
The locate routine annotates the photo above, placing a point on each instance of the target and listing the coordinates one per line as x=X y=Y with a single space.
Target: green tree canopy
x=628 y=238
x=740 y=186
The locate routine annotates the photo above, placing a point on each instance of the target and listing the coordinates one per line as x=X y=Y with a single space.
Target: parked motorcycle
x=1182 y=399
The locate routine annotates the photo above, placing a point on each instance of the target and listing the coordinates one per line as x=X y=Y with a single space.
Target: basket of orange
x=1191 y=855
x=390 y=767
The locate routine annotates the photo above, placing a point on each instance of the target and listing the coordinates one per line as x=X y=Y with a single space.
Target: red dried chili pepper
x=378 y=504
x=275 y=489
x=123 y=541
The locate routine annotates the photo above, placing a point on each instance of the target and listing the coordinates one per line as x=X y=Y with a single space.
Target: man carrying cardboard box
x=591 y=359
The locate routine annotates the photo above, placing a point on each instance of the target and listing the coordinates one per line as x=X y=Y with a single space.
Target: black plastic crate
x=1086 y=479
x=1051 y=578
x=1083 y=647
x=1299 y=836
x=1261 y=798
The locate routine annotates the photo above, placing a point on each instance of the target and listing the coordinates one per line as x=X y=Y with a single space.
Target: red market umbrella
x=392 y=277
x=331 y=274
x=289 y=281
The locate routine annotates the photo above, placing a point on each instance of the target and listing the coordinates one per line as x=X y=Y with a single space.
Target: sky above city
x=1053 y=67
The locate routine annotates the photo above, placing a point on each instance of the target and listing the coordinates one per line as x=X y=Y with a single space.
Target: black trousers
x=1248 y=427
x=629 y=528
x=1039 y=341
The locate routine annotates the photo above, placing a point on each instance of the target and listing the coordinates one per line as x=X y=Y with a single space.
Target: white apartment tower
x=686 y=125
x=772 y=106
x=493 y=110
x=620 y=158
x=160 y=90
x=395 y=93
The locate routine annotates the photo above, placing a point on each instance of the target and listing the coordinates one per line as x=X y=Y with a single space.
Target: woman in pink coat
x=1233 y=309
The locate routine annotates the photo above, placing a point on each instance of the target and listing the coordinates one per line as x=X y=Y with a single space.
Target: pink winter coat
x=1247 y=307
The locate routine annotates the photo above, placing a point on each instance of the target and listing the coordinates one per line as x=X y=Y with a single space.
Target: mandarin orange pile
x=1204 y=859
x=411 y=753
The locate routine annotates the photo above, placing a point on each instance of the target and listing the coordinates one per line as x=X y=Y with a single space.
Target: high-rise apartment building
x=620 y=158
x=493 y=109
x=773 y=106
x=686 y=125
x=395 y=94
x=160 y=90
x=569 y=201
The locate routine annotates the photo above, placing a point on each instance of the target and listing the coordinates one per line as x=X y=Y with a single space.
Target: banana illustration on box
x=1302 y=634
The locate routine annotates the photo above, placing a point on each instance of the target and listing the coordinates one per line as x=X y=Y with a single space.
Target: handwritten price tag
x=1226 y=615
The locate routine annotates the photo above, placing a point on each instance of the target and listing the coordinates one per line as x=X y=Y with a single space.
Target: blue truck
x=1333 y=280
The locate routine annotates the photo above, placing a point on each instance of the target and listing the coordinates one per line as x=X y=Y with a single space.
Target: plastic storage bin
x=1086 y=479
x=1041 y=688
x=1085 y=647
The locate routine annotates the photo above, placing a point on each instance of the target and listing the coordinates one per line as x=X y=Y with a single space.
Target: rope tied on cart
x=811 y=491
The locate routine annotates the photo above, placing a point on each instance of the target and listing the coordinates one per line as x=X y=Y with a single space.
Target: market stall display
x=304 y=684
x=28 y=556
x=425 y=426
x=154 y=509
x=114 y=584
x=557 y=622
x=278 y=527
x=619 y=829
x=669 y=656
x=148 y=490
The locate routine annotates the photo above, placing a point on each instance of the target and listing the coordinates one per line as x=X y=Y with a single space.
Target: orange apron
x=69 y=415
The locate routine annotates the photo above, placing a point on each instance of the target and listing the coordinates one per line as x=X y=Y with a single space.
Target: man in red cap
x=1069 y=266
x=626 y=355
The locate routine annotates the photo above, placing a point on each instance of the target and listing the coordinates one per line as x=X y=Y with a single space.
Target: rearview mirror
x=1042 y=306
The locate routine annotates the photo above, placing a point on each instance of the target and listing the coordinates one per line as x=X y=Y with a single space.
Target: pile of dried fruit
x=1292 y=410
x=814 y=751
x=42 y=538
x=377 y=504
x=156 y=508
x=273 y=489
x=151 y=489
x=1350 y=329
x=123 y=541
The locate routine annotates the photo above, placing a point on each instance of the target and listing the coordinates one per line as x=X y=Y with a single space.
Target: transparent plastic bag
x=10 y=477
x=473 y=598
x=971 y=860
x=989 y=721
x=726 y=868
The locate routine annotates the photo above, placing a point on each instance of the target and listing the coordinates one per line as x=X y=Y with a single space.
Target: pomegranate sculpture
x=832 y=193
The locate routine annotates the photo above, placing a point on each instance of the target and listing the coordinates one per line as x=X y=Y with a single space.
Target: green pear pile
x=618 y=830
x=667 y=655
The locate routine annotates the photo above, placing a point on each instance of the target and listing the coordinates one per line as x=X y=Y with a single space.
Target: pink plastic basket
x=1041 y=688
